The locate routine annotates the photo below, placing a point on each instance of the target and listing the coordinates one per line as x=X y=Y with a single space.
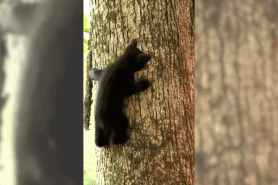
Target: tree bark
x=236 y=94
x=161 y=147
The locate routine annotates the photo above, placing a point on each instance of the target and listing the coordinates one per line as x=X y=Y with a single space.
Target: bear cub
x=117 y=83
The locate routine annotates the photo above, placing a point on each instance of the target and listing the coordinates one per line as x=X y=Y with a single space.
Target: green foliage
x=89 y=177
x=85 y=46
x=86 y=23
x=86 y=29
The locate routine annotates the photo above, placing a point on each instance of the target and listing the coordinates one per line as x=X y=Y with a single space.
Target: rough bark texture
x=161 y=148
x=236 y=94
x=88 y=89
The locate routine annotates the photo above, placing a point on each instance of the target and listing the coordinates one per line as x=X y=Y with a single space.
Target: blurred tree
x=45 y=87
x=236 y=94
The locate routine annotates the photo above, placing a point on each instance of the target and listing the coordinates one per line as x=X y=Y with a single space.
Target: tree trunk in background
x=161 y=148
x=236 y=94
x=43 y=83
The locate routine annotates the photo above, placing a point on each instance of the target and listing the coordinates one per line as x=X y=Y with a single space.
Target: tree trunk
x=44 y=91
x=236 y=98
x=161 y=147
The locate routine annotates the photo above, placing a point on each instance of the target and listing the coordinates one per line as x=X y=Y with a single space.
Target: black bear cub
x=117 y=82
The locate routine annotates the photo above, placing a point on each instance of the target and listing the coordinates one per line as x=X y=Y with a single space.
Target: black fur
x=117 y=83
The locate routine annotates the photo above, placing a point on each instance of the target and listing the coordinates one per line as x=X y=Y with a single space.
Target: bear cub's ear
x=133 y=42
